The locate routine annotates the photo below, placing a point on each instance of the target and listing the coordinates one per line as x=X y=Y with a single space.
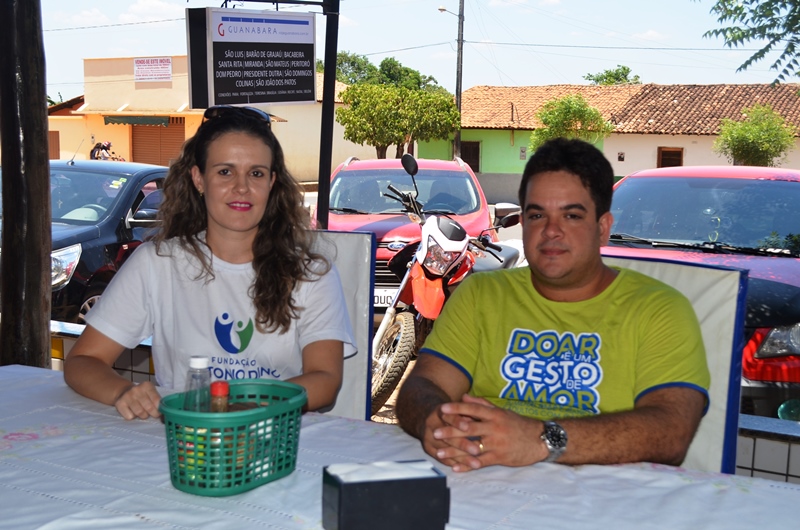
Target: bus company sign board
x=245 y=57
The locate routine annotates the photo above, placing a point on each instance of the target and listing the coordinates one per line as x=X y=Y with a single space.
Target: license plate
x=383 y=297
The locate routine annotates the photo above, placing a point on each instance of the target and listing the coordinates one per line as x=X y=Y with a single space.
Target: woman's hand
x=139 y=401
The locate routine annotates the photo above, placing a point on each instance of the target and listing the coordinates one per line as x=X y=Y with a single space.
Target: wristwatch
x=555 y=438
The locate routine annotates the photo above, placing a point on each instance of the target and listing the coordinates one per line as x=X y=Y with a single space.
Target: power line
x=666 y=48
x=115 y=25
x=411 y=48
x=534 y=45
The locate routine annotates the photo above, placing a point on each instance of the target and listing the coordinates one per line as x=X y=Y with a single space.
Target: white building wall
x=641 y=151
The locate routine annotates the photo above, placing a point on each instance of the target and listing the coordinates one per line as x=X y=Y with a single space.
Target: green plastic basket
x=225 y=453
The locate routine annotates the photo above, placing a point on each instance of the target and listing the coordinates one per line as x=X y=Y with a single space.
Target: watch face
x=556 y=436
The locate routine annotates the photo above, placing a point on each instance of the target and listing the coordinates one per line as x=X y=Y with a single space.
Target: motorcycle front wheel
x=389 y=362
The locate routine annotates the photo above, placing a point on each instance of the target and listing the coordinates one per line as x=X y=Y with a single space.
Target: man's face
x=562 y=235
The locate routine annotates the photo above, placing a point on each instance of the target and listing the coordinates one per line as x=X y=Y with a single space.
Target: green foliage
x=384 y=115
x=392 y=72
x=791 y=242
x=762 y=138
x=51 y=101
x=352 y=69
x=372 y=116
x=621 y=75
x=770 y=24
x=570 y=117
x=430 y=115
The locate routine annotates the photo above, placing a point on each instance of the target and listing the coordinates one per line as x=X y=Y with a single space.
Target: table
x=70 y=463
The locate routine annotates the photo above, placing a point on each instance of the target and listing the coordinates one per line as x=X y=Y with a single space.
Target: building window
x=670 y=156
x=471 y=154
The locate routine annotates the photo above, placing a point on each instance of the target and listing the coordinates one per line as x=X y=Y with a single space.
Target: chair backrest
x=718 y=297
x=353 y=253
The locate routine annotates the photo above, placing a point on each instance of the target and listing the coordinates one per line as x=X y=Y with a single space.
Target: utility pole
x=459 y=61
x=459 y=66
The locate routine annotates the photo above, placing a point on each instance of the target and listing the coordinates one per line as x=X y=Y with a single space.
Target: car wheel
x=91 y=298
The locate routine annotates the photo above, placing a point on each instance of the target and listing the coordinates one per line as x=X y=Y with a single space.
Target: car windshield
x=362 y=190
x=738 y=212
x=77 y=197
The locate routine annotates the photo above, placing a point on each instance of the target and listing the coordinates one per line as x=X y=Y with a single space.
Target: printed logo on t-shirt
x=548 y=370
x=233 y=340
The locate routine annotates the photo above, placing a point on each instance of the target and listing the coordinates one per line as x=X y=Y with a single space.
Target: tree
x=570 y=117
x=384 y=115
x=372 y=116
x=762 y=138
x=621 y=75
x=392 y=72
x=352 y=69
x=428 y=115
x=771 y=24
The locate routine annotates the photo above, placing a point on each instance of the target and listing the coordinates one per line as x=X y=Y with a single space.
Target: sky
x=506 y=42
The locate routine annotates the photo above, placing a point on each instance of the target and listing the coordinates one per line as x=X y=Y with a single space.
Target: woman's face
x=236 y=185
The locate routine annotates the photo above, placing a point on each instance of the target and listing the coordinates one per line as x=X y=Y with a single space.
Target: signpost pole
x=331 y=11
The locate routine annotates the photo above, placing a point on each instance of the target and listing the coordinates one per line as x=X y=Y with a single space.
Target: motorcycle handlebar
x=395 y=190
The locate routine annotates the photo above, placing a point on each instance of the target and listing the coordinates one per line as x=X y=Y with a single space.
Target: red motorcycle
x=429 y=270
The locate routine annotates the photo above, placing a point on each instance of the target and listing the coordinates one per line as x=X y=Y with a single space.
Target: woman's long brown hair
x=282 y=254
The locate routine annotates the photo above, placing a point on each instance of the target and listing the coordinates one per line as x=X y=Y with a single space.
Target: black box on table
x=386 y=495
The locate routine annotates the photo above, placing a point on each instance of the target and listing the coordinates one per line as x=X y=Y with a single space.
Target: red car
x=742 y=217
x=357 y=204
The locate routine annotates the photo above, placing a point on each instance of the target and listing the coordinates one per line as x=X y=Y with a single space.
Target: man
x=569 y=360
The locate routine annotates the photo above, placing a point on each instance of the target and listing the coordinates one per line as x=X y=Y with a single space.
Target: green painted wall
x=500 y=149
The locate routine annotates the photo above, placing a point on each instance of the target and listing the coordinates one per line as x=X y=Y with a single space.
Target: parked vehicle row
x=742 y=217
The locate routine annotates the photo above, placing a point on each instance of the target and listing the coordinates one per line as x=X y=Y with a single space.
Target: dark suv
x=101 y=211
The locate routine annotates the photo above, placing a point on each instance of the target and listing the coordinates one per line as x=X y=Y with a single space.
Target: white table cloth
x=70 y=463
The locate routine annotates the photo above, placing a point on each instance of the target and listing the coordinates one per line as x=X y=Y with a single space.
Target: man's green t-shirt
x=548 y=359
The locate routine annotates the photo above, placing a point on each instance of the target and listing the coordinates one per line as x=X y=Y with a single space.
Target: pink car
x=741 y=217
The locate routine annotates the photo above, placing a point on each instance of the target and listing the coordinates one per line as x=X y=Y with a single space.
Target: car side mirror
x=146 y=217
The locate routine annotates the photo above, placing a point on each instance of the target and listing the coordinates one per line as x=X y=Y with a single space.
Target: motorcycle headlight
x=64 y=262
x=783 y=340
x=438 y=260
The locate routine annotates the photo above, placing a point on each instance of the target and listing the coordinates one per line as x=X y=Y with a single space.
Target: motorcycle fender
x=407 y=294
x=428 y=294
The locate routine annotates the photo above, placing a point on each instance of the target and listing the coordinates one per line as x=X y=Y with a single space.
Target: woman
x=230 y=275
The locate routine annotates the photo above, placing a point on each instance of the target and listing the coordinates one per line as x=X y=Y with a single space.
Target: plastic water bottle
x=197 y=397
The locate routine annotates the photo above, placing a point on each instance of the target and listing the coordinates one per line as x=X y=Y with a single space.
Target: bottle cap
x=198 y=361
x=219 y=388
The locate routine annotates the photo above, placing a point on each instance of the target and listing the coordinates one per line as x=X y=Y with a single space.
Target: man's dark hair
x=579 y=158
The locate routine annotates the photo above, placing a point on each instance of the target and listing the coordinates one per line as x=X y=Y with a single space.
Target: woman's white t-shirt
x=161 y=296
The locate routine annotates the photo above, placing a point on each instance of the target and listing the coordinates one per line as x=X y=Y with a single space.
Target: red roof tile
x=699 y=109
x=494 y=107
x=634 y=109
